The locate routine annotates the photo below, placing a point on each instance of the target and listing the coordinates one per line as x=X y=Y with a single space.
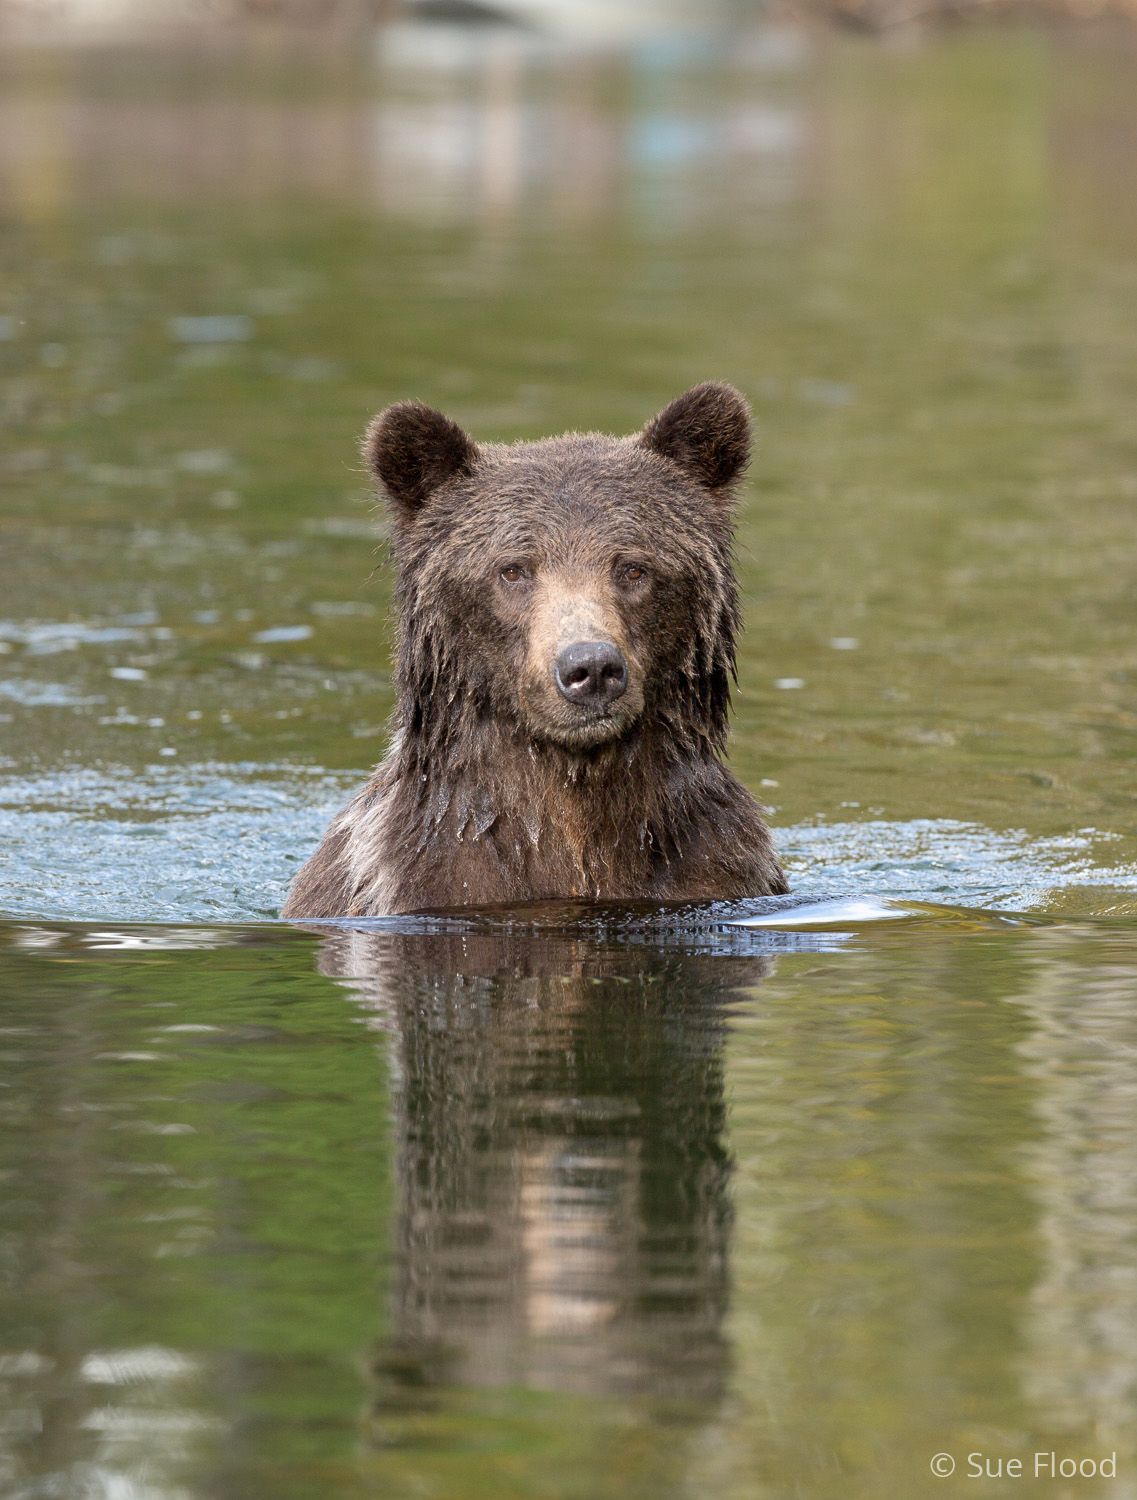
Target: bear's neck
x=517 y=818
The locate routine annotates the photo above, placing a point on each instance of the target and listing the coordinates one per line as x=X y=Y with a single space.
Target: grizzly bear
x=567 y=614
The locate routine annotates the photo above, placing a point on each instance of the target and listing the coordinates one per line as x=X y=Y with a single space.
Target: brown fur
x=496 y=788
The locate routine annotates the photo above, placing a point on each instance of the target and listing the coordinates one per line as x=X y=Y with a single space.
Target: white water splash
x=221 y=843
x=949 y=862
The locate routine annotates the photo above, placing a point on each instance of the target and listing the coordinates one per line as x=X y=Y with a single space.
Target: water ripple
x=220 y=842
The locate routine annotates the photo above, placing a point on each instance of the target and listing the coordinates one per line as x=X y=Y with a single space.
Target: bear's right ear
x=412 y=449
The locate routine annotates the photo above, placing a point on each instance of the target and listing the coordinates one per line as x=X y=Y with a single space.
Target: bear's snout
x=581 y=683
x=591 y=674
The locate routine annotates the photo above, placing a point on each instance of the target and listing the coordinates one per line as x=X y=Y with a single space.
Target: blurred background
x=588 y=22
x=491 y=1212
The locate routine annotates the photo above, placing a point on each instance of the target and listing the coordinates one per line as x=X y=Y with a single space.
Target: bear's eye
x=632 y=573
x=513 y=573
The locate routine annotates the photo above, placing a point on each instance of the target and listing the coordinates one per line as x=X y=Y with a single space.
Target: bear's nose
x=591 y=673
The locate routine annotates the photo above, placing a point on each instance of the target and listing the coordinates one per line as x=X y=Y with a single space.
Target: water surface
x=569 y=1204
x=512 y=1209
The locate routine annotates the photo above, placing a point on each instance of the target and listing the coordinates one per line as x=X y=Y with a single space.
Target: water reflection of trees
x=563 y=1174
x=465 y=127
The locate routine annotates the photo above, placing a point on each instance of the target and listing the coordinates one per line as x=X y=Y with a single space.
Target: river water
x=548 y=1204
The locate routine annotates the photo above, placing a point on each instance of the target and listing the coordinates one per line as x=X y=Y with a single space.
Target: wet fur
x=484 y=797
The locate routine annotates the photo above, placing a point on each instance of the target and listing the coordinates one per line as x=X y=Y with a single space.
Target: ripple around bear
x=567 y=613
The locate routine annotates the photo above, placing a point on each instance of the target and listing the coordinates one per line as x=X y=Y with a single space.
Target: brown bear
x=567 y=612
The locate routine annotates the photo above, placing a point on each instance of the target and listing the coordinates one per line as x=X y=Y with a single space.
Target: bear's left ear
x=412 y=449
x=706 y=431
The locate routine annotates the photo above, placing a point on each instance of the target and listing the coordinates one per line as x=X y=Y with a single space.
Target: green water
x=551 y=1211
x=529 y=1214
x=919 y=265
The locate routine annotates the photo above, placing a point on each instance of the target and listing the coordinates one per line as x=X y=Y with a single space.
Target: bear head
x=579 y=588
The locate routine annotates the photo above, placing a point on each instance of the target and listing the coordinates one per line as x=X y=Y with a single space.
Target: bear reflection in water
x=563 y=1173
